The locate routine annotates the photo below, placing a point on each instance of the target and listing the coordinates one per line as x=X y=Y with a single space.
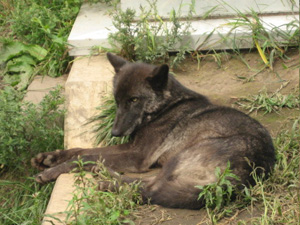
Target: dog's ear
x=159 y=78
x=116 y=61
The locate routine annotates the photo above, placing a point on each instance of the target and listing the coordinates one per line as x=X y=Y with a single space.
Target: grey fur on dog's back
x=174 y=128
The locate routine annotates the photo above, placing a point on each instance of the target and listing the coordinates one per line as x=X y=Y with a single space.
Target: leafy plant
x=150 y=38
x=91 y=206
x=43 y=23
x=27 y=129
x=104 y=122
x=20 y=62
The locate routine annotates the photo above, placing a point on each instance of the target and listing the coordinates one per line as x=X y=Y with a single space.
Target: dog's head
x=140 y=91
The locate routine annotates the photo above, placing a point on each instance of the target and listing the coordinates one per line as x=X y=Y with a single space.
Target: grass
x=22 y=200
x=103 y=123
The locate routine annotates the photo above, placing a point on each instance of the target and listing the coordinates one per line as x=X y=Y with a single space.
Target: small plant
x=269 y=102
x=218 y=194
x=104 y=123
x=91 y=206
x=150 y=38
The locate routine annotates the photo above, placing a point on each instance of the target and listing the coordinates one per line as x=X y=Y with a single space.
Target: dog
x=171 y=127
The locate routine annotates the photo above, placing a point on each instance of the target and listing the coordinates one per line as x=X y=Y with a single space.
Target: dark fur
x=172 y=127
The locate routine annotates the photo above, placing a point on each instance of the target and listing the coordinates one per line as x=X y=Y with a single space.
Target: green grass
x=103 y=123
x=23 y=201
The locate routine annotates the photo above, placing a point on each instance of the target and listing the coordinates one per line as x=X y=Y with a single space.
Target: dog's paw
x=46 y=160
x=47 y=175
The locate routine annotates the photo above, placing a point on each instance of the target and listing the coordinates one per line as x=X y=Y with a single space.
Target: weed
x=104 y=122
x=150 y=38
x=91 y=206
x=269 y=102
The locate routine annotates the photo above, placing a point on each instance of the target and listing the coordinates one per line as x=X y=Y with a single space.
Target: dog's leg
x=118 y=160
x=50 y=159
x=52 y=173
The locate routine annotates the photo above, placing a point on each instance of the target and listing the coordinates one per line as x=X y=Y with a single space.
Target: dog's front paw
x=47 y=176
x=46 y=160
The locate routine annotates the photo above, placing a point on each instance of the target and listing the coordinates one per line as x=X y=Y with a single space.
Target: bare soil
x=224 y=85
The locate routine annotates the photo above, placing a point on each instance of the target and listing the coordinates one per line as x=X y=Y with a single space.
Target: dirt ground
x=224 y=85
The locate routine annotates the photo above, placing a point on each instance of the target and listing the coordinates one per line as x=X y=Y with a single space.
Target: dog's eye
x=133 y=99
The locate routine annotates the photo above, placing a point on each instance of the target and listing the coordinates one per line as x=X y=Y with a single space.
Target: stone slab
x=90 y=78
x=41 y=85
x=61 y=195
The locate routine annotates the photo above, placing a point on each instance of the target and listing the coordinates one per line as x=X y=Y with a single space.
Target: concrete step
x=90 y=78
